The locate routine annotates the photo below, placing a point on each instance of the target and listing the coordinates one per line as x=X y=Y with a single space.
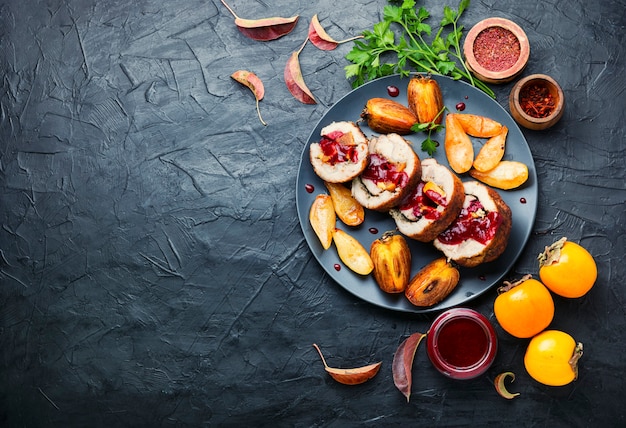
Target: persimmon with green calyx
x=567 y=269
x=524 y=308
x=552 y=358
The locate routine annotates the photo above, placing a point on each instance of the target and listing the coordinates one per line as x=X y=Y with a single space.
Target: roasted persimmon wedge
x=433 y=283
x=352 y=253
x=347 y=208
x=323 y=219
x=491 y=153
x=458 y=146
x=478 y=126
x=506 y=175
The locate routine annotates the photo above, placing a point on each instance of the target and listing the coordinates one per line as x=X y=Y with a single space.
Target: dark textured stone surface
x=153 y=271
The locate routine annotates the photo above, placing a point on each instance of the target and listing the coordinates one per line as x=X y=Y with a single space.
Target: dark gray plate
x=475 y=281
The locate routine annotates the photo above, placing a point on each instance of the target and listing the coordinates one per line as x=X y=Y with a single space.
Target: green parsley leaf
x=429 y=146
x=405 y=35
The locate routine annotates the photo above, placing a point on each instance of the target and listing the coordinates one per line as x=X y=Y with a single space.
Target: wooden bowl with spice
x=496 y=50
x=536 y=102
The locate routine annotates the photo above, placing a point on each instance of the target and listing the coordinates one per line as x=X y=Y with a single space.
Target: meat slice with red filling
x=481 y=232
x=393 y=171
x=433 y=204
x=341 y=154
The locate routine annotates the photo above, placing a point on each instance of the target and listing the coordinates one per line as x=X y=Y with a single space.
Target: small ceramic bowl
x=462 y=343
x=536 y=102
x=496 y=50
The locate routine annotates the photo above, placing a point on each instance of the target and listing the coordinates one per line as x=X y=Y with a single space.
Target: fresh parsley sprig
x=414 y=50
x=429 y=145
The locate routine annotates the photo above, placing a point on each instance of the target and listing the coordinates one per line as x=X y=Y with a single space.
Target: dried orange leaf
x=264 y=29
x=320 y=38
x=353 y=376
x=255 y=84
x=501 y=388
x=295 y=81
x=402 y=365
x=491 y=152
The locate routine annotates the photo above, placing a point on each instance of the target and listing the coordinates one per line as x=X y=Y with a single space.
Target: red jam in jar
x=462 y=343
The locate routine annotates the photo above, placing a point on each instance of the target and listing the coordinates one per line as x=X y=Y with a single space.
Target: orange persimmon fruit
x=524 y=308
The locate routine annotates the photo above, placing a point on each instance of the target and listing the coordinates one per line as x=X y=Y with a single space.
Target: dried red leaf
x=250 y=80
x=403 y=363
x=320 y=38
x=295 y=81
x=264 y=29
x=255 y=84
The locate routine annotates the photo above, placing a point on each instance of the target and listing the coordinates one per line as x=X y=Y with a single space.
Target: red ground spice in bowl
x=496 y=50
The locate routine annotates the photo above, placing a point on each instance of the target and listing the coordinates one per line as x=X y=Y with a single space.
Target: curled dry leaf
x=353 y=376
x=501 y=388
x=320 y=38
x=295 y=81
x=402 y=365
x=264 y=29
x=255 y=84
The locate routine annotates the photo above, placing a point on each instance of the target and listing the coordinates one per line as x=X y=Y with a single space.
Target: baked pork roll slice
x=433 y=205
x=481 y=232
x=341 y=154
x=393 y=170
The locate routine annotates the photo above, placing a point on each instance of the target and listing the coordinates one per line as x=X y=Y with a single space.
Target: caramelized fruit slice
x=347 y=208
x=506 y=175
x=491 y=152
x=458 y=146
x=323 y=219
x=478 y=126
x=352 y=253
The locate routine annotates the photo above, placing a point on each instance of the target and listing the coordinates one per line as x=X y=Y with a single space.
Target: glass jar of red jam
x=462 y=343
